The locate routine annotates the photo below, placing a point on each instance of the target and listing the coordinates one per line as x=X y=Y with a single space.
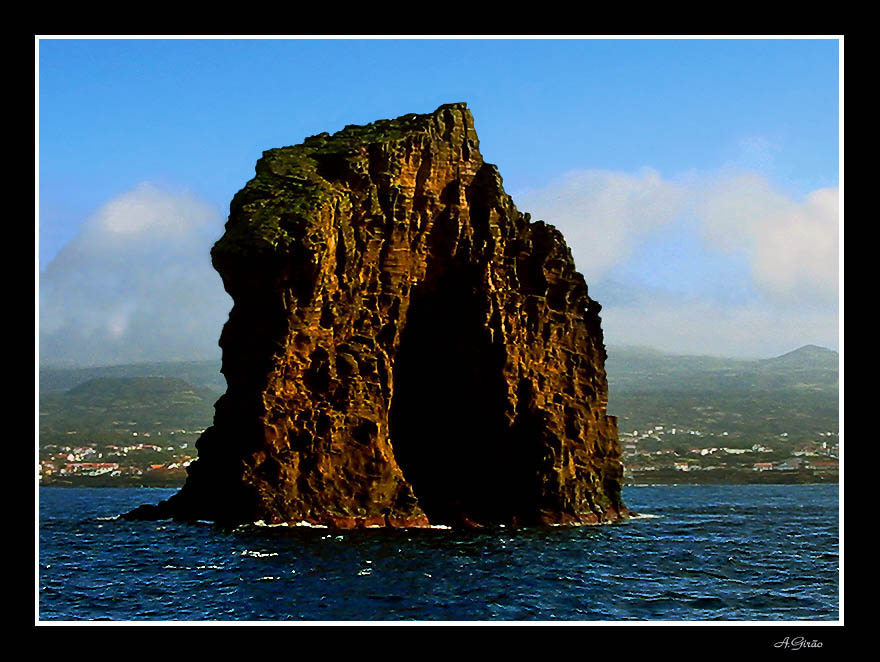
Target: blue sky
x=677 y=137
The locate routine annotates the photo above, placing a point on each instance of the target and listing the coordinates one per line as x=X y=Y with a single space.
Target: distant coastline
x=682 y=420
x=732 y=477
x=719 y=477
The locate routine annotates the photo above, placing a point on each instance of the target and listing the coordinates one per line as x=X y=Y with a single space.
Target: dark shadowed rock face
x=405 y=347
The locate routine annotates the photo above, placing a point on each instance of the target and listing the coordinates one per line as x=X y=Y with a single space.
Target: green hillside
x=202 y=374
x=795 y=395
x=113 y=408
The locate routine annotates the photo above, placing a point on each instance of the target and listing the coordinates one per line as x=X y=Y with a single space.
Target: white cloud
x=149 y=213
x=789 y=246
x=136 y=284
x=604 y=214
x=792 y=245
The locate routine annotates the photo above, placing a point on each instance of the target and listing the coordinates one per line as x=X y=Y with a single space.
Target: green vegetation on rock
x=274 y=211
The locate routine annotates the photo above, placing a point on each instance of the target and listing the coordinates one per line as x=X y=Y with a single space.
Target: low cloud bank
x=689 y=325
x=135 y=285
x=603 y=215
x=792 y=245
x=790 y=252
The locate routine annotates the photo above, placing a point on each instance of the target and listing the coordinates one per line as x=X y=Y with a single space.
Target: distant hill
x=810 y=357
x=202 y=374
x=114 y=407
x=796 y=393
x=753 y=401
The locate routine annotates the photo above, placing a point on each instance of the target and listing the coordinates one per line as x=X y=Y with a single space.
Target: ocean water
x=703 y=552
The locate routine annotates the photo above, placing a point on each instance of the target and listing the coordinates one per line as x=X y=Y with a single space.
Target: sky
x=697 y=181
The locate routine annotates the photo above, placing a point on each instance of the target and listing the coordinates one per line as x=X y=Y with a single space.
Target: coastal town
x=680 y=420
x=659 y=454
x=655 y=454
x=151 y=460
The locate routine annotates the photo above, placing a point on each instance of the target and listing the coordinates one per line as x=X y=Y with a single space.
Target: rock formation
x=405 y=347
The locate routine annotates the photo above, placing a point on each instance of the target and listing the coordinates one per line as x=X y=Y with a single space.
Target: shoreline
x=655 y=481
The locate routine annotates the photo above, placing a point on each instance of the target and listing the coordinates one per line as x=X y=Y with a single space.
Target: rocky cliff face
x=405 y=347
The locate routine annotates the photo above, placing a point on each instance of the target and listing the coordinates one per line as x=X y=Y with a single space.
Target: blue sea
x=700 y=553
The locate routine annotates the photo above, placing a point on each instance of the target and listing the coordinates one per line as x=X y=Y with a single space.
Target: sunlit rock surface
x=405 y=347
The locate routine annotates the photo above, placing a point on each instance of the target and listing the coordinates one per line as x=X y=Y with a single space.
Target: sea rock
x=405 y=347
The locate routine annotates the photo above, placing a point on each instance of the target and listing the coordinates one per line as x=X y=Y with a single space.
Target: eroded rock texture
x=405 y=347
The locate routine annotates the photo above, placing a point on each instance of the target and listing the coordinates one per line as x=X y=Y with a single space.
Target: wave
x=307 y=525
x=257 y=555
